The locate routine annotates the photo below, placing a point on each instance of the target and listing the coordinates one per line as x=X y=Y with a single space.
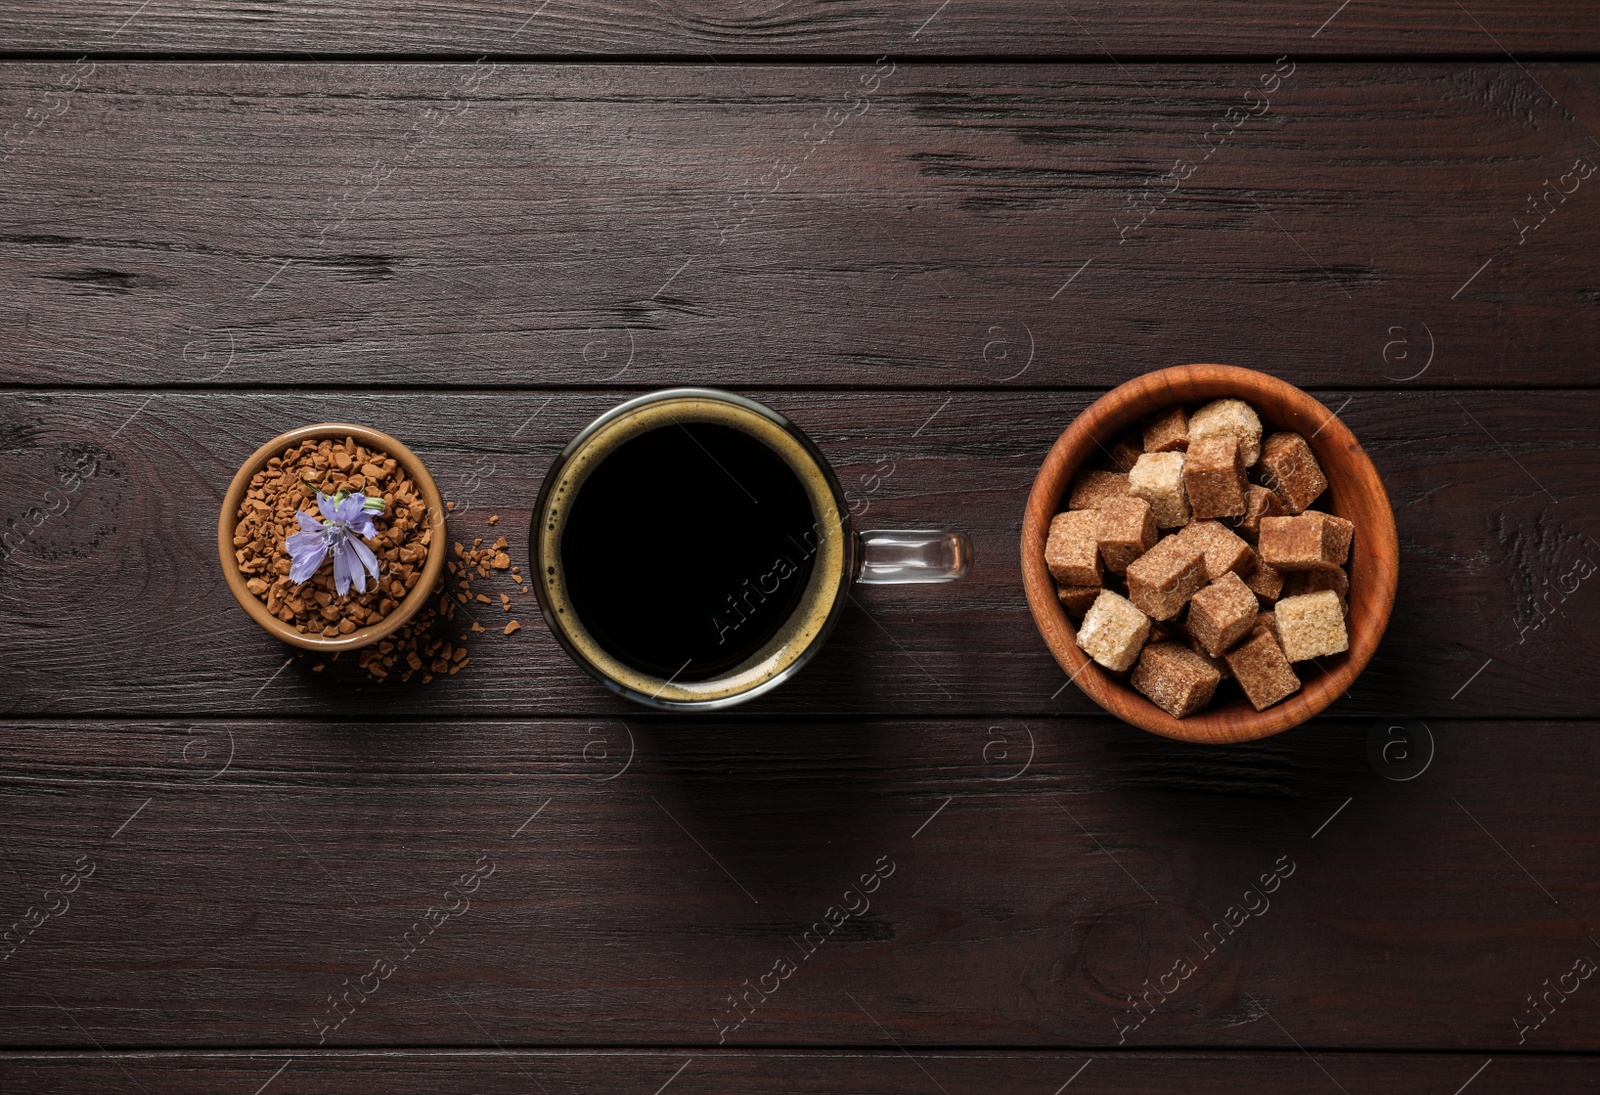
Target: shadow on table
x=783 y=803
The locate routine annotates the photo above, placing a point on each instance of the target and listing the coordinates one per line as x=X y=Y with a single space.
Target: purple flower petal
x=329 y=508
x=368 y=559
x=307 y=550
x=350 y=509
x=341 y=567
x=364 y=527
x=308 y=523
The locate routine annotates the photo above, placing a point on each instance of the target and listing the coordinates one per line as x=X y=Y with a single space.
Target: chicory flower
x=349 y=520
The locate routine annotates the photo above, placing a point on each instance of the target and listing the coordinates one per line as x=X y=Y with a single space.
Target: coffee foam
x=817 y=603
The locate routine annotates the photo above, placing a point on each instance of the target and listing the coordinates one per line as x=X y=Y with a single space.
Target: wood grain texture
x=774 y=28
x=114 y=602
x=331 y=225
x=639 y=873
x=770 y=1072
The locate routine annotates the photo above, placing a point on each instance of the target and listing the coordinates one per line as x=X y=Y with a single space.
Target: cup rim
x=1109 y=416
x=848 y=561
x=415 y=598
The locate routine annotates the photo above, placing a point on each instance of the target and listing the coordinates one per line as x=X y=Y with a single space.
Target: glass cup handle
x=912 y=556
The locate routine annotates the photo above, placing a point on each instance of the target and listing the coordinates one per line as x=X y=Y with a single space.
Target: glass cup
x=584 y=613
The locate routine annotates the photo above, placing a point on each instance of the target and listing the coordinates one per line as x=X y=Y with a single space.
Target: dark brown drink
x=687 y=549
x=691 y=548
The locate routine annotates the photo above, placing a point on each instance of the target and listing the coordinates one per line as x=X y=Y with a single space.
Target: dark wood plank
x=634 y=876
x=117 y=604
x=768 y=1072
x=909 y=27
x=641 y=225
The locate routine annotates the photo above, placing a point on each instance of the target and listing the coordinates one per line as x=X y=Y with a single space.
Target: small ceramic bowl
x=1355 y=492
x=362 y=636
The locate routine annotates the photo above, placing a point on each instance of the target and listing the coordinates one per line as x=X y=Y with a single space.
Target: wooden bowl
x=1354 y=492
x=415 y=599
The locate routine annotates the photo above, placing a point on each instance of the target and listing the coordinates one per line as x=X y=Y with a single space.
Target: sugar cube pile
x=1193 y=557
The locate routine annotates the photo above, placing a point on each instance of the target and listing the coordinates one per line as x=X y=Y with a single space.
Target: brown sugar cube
x=1158 y=479
x=1344 y=533
x=1312 y=581
x=1229 y=418
x=1265 y=581
x=1307 y=542
x=1113 y=631
x=1213 y=477
x=1093 y=489
x=1175 y=678
x=1161 y=581
x=1077 y=599
x=1311 y=625
x=1127 y=530
x=1224 y=551
x=1290 y=469
x=1161 y=632
x=1270 y=622
x=1222 y=613
x=1259 y=502
x=1167 y=431
x=1262 y=670
x=1126 y=452
x=1071 y=552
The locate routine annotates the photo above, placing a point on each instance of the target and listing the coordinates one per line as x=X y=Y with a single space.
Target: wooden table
x=930 y=234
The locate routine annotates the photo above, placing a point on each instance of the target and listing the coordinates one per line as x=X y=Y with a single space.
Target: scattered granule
x=494 y=518
x=287 y=486
x=432 y=644
x=449 y=507
x=501 y=561
x=501 y=544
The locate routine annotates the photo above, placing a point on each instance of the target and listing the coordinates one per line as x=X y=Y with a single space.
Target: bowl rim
x=415 y=598
x=1108 y=417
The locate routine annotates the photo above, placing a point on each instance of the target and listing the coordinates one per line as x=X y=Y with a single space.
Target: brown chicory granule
x=423 y=647
x=288 y=485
